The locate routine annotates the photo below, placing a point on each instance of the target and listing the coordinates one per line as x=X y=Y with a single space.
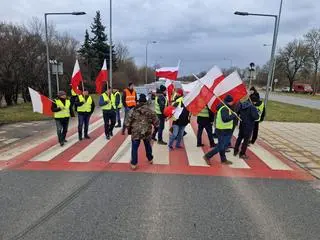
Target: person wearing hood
x=248 y=115
x=139 y=123
x=224 y=125
x=161 y=102
x=254 y=93
x=61 y=108
x=261 y=110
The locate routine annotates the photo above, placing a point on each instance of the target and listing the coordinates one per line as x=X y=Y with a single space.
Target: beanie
x=228 y=99
x=162 y=88
x=142 y=98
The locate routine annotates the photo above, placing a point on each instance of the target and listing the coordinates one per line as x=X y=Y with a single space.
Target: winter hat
x=142 y=98
x=228 y=99
x=61 y=93
x=162 y=88
x=180 y=91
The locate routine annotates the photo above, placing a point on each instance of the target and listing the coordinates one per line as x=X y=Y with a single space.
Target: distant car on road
x=285 y=89
x=302 y=88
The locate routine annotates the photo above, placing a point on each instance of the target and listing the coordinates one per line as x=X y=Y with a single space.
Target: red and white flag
x=76 y=78
x=102 y=78
x=170 y=88
x=167 y=72
x=40 y=103
x=231 y=85
x=201 y=94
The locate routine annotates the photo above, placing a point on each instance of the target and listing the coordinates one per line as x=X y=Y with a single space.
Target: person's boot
x=235 y=152
x=108 y=137
x=200 y=145
x=243 y=156
x=80 y=136
x=87 y=136
x=161 y=142
x=118 y=125
x=226 y=162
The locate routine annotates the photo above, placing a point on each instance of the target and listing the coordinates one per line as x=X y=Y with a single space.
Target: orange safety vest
x=130 y=98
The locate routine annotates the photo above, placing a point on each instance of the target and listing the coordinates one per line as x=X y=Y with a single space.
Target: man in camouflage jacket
x=139 y=123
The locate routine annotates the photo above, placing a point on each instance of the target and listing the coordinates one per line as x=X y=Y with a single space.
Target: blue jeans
x=177 y=135
x=83 y=119
x=223 y=142
x=135 y=147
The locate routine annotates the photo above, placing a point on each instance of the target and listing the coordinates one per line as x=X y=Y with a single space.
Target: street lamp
x=146 y=73
x=274 y=45
x=251 y=70
x=47 y=43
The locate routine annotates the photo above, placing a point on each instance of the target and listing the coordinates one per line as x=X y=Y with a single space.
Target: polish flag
x=40 y=103
x=201 y=94
x=76 y=78
x=102 y=78
x=188 y=87
x=167 y=72
x=231 y=85
x=170 y=88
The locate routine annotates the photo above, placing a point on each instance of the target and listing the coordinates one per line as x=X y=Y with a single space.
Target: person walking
x=118 y=103
x=160 y=103
x=61 y=108
x=261 y=111
x=224 y=125
x=129 y=100
x=73 y=99
x=205 y=120
x=107 y=103
x=85 y=107
x=248 y=115
x=139 y=123
x=179 y=124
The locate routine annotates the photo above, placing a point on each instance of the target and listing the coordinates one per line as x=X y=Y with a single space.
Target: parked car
x=285 y=89
x=302 y=88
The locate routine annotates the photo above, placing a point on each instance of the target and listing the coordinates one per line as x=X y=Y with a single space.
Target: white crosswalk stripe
x=123 y=155
x=57 y=149
x=160 y=152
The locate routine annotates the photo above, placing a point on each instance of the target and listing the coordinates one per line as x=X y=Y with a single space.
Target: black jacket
x=55 y=108
x=204 y=121
x=162 y=102
x=77 y=103
x=248 y=114
x=184 y=117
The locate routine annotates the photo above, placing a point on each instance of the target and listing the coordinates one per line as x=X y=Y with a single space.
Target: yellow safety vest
x=220 y=124
x=110 y=102
x=157 y=106
x=120 y=103
x=73 y=93
x=179 y=100
x=86 y=107
x=173 y=96
x=65 y=109
x=204 y=113
x=260 y=111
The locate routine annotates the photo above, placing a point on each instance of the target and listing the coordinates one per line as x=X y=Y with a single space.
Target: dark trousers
x=72 y=101
x=223 y=142
x=208 y=129
x=135 y=148
x=118 y=116
x=126 y=112
x=160 y=129
x=255 y=132
x=62 y=128
x=245 y=135
x=83 y=122
x=109 y=118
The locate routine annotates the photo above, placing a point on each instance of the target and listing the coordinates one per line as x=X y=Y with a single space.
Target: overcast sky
x=201 y=33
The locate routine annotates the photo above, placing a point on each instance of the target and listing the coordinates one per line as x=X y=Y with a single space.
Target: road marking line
x=236 y=161
x=57 y=149
x=11 y=140
x=123 y=155
x=160 y=152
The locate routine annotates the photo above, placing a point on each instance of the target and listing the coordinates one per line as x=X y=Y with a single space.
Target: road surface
x=304 y=102
x=86 y=190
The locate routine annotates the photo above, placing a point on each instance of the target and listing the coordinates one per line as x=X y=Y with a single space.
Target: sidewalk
x=297 y=141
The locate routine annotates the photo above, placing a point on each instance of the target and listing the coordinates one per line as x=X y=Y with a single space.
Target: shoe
x=111 y=134
x=133 y=167
x=162 y=142
x=80 y=138
x=235 y=153
x=154 y=139
x=118 y=126
x=226 y=162
x=87 y=137
x=200 y=145
x=179 y=147
x=228 y=150
x=185 y=133
x=62 y=144
x=207 y=160
x=65 y=141
x=108 y=137
x=244 y=157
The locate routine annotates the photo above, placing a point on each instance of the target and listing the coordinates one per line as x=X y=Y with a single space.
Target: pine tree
x=86 y=53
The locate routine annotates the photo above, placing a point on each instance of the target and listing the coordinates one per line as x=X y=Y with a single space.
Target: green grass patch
x=20 y=113
x=283 y=112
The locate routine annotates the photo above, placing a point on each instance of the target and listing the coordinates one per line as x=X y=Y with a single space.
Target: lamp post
x=47 y=41
x=110 y=46
x=274 y=45
x=146 y=73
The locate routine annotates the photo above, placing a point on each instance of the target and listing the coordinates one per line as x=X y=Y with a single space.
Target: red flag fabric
x=40 y=103
x=102 y=78
x=231 y=85
x=76 y=78
x=168 y=111
x=167 y=72
x=170 y=88
x=201 y=94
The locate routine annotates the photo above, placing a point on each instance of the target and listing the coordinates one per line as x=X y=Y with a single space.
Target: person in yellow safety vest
x=118 y=102
x=160 y=103
x=224 y=124
x=129 y=101
x=85 y=107
x=61 y=108
x=73 y=99
x=108 y=106
x=205 y=120
x=174 y=95
x=261 y=110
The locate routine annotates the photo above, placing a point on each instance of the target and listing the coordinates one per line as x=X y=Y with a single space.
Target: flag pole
x=220 y=100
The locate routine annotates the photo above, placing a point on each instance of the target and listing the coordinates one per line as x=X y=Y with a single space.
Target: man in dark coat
x=261 y=110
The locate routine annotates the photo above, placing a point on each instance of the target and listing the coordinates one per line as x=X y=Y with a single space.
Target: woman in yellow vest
x=85 y=107
x=61 y=107
x=118 y=103
x=224 y=125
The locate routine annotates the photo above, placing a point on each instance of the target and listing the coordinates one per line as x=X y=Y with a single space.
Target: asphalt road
x=78 y=205
x=311 y=103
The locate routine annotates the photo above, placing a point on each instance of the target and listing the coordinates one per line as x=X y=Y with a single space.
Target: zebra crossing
x=100 y=154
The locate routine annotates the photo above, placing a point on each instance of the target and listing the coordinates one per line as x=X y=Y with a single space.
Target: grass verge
x=283 y=112
x=299 y=95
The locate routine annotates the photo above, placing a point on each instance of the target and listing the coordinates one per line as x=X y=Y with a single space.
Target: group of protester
x=147 y=124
